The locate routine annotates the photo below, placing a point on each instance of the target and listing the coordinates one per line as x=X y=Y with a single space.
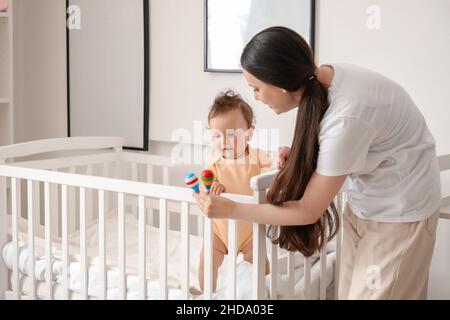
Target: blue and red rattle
x=191 y=180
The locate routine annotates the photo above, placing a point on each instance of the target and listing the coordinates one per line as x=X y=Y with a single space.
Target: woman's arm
x=318 y=195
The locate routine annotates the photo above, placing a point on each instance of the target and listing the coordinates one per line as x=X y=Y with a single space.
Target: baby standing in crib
x=233 y=163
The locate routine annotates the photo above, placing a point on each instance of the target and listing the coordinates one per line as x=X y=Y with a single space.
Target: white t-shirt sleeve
x=344 y=144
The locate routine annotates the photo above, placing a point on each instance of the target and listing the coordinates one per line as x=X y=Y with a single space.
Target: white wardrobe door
x=106 y=70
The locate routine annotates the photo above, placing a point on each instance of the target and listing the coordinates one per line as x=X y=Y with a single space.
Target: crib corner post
x=3 y=234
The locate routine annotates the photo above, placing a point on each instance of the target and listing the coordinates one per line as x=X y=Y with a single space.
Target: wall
x=178 y=82
x=412 y=47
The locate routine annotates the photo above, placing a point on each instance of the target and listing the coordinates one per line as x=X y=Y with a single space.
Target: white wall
x=412 y=47
x=178 y=83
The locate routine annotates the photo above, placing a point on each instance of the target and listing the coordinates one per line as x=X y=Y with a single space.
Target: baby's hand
x=280 y=157
x=217 y=188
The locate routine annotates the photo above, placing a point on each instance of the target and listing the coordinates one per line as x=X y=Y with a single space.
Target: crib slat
x=65 y=241
x=54 y=207
x=185 y=249
x=72 y=214
x=19 y=198
x=48 y=243
x=290 y=274
x=38 y=189
x=134 y=177
x=37 y=202
x=259 y=253
x=31 y=259
x=142 y=249
x=102 y=242
x=149 y=173
x=274 y=272
x=122 y=262
x=163 y=248
x=106 y=172
x=208 y=259
x=259 y=261
x=149 y=179
x=307 y=277
x=89 y=196
x=15 y=237
x=323 y=269
x=166 y=183
x=83 y=249
x=232 y=254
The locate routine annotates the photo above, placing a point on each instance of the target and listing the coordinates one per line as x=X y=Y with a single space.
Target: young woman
x=357 y=127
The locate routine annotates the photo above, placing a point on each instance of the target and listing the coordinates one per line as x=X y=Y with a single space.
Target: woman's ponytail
x=281 y=57
x=292 y=180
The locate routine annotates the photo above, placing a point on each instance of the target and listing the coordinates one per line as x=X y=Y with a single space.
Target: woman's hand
x=281 y=157
x=217 y=188
x=215 y=207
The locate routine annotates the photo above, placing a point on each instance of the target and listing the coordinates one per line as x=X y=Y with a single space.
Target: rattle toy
x=191 y=181
x=207 y=178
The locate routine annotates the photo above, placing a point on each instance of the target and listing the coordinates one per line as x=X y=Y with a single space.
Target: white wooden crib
x=64 y=203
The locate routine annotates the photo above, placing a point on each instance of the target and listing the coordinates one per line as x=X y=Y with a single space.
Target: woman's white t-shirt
x=374 y=132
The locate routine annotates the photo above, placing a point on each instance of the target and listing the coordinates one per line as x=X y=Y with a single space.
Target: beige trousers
x=382 y=260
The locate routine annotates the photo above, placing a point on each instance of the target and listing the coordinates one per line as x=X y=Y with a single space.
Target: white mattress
x=174 y=268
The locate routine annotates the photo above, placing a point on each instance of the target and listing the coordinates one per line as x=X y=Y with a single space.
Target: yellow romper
x=235 y=175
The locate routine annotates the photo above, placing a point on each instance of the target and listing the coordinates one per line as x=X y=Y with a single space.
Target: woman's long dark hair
x=281 y=57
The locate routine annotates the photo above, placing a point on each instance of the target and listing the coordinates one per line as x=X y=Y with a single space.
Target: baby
x=233 y=163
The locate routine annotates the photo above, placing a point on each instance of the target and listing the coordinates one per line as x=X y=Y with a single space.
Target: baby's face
x=230 y=134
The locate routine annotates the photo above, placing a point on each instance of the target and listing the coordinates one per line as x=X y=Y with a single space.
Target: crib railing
x=61 y=181
x=100 y=185
x=110 y=163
